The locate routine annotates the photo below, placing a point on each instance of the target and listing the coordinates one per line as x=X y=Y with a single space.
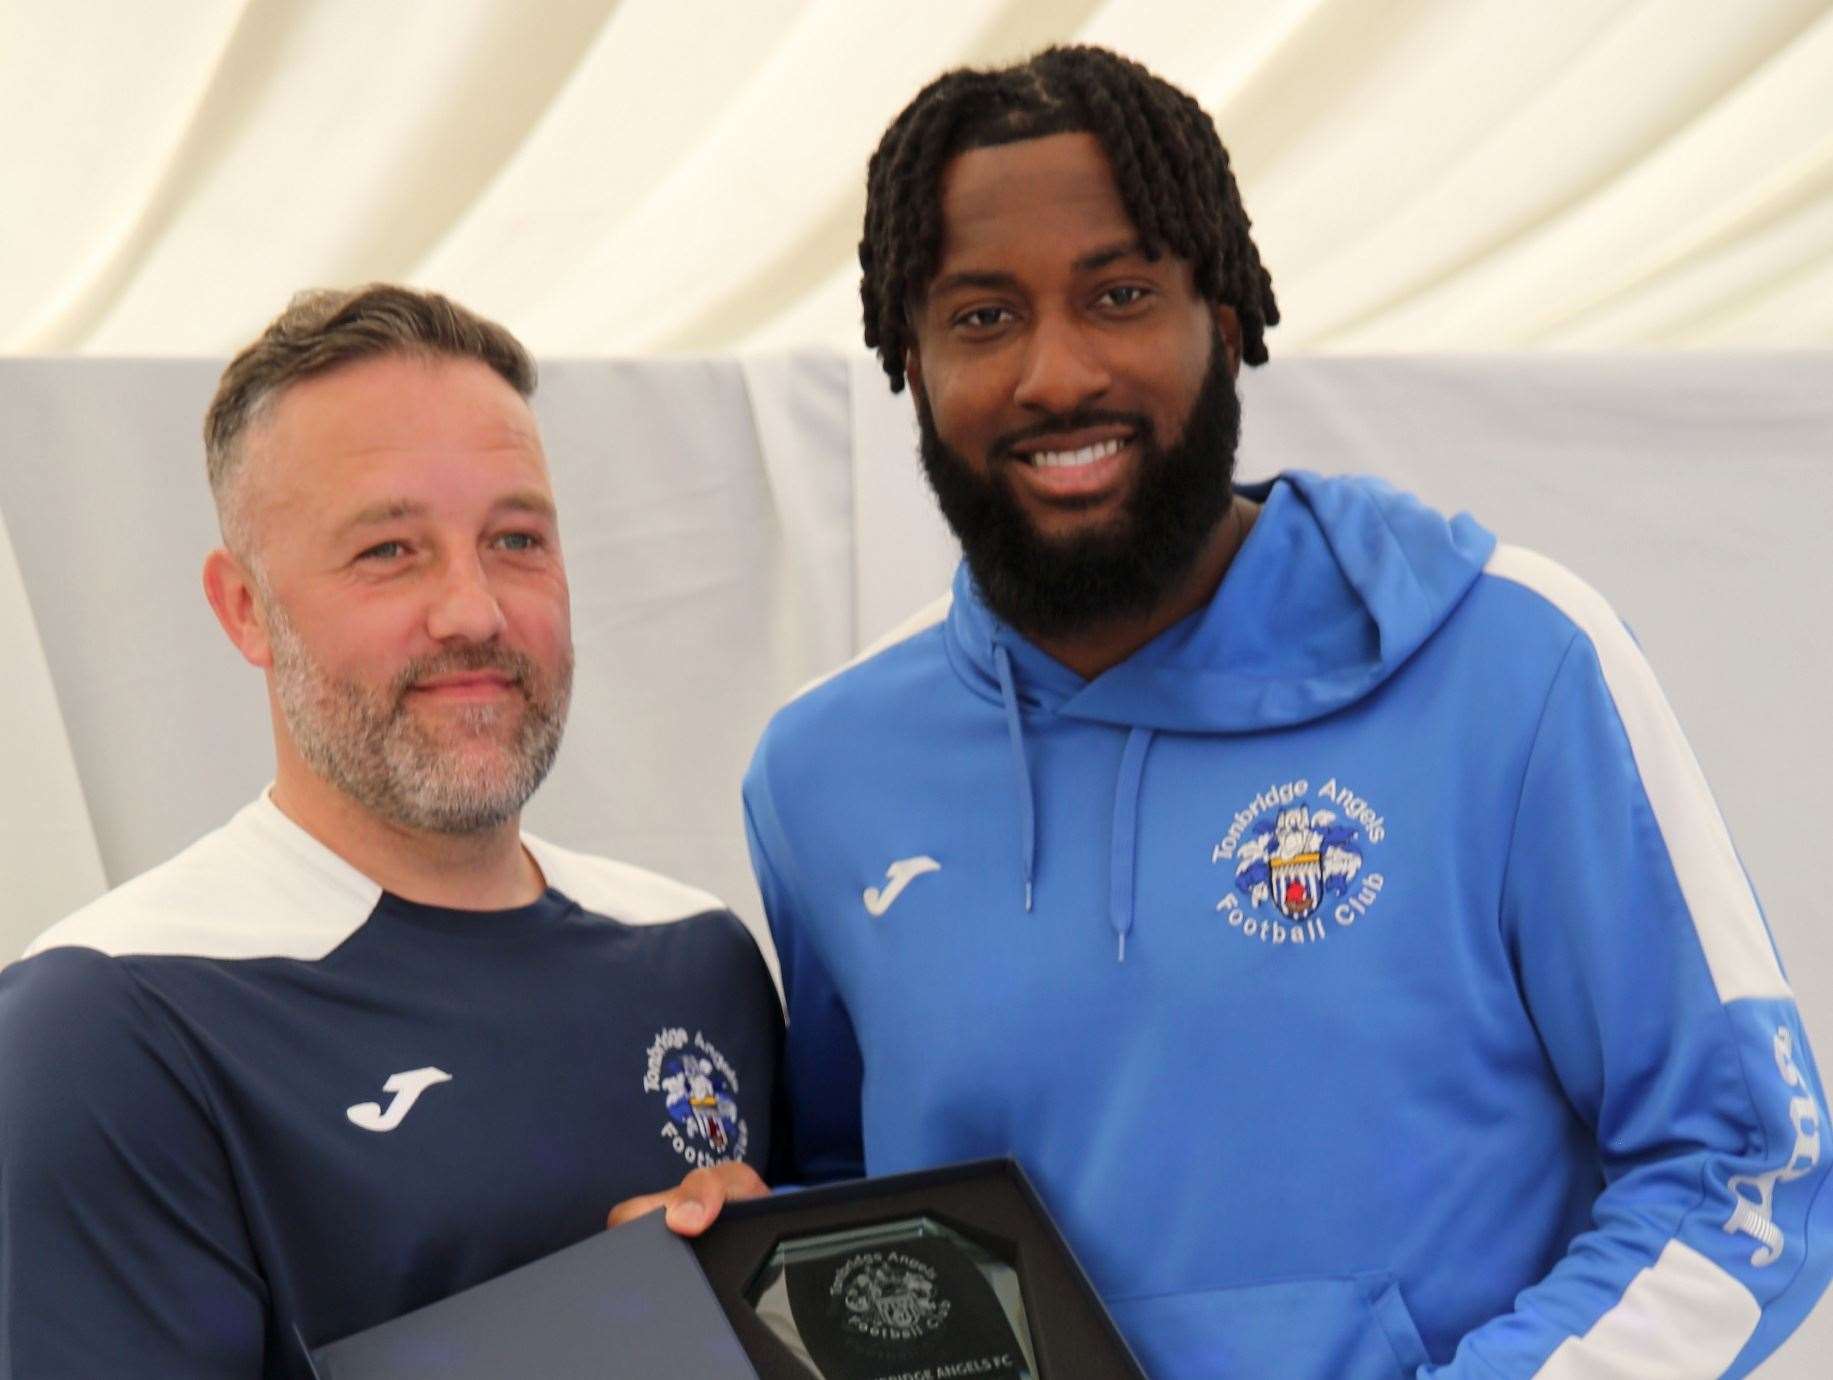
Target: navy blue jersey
x=250 y=1100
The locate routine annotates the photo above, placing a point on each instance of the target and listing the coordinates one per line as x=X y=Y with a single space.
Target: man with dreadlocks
x=1316 y=896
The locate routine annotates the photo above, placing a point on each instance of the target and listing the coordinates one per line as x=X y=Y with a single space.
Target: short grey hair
x=324 y=329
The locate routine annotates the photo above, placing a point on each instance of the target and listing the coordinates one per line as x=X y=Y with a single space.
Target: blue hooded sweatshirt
x=1361 y=969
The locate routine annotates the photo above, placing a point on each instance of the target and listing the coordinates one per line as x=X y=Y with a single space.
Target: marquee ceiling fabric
x=640 y=176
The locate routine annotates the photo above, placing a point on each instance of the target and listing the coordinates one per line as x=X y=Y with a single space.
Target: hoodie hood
x=1339 y=582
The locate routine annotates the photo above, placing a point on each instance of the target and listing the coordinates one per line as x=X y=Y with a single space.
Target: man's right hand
x=692 y=1205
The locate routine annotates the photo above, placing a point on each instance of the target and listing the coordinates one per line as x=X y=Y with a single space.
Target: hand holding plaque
x=950 y=1274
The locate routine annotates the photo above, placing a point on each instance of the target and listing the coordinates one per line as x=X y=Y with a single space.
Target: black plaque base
x=865 y=1268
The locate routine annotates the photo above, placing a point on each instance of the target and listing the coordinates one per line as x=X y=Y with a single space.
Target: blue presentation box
x=631 y=1302
x=951 y=1272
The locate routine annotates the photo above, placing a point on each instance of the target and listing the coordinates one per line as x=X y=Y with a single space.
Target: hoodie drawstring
x=1123 y=843
x=1027 y=808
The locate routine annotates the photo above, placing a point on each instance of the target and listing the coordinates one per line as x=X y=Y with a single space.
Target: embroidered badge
x=1752 y=1214
x=1299 y=860
x=700 y=1091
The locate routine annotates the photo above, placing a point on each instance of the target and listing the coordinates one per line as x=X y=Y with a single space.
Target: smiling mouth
x=465 y=688
x=1075 y=459
x=1076 y=467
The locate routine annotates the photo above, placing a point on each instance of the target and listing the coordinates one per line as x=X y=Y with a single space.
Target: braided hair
x=1171 y=169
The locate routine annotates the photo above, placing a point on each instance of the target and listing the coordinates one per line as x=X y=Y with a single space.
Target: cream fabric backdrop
x=48 y=853
x=632 y=176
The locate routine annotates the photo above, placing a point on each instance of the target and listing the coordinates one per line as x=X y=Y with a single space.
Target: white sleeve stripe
x=258 y=887
x=262 y=887
x=926 y=617
x=1682 y=1316
x=620 y=890
x=1712 y=882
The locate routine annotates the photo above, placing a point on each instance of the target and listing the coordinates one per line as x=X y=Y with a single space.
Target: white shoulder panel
x=1681 y=1317
x=928 y=616
x=259 y=887
x=1712 y=881
x=624 y=892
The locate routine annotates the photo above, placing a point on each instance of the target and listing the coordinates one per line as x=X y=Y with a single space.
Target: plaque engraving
x=911 y=1299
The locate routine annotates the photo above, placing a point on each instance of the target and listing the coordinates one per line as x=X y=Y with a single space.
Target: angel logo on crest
x=1294 y=857
x=700 y=1099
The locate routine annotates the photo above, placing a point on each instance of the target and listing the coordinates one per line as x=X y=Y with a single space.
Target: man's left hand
x=693 y=1204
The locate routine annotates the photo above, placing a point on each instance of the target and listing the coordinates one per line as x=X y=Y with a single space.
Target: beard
x=1048 y=586
x=370 y=744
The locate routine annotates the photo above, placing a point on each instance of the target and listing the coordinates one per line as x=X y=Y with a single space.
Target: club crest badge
x=1300 y=859
x=699 y=1089
x=889 y=1296
x=1294 y=857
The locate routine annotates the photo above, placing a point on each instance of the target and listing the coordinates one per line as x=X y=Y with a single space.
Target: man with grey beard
x=368 y=1043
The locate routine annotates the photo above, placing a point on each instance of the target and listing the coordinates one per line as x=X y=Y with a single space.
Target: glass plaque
x=904 y=1298
x=949 y=1273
